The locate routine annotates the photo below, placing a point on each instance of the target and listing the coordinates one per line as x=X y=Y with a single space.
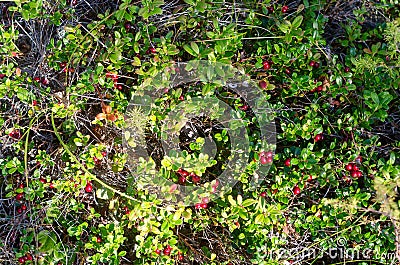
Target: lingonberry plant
x=329 y=73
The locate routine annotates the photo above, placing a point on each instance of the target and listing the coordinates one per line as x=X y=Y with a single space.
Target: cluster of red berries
x=354 y=170
x=15 y=134
x=114 y=77
x=271 y=9
x=203 y=204
x=65 y=69
x=44 y=81
x=314 y=64
x=25 y=258
x=318 y=137
x=266 y=157
x=183 y=174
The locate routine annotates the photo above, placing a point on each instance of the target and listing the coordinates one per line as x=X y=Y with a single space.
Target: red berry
x=353 y=174
x=266 y=65
x=203 y=205
x=316 y=64
x=98 y=239
x=197 y=206
x=45 y=81
x=19 y=210
x=182 y=179
x=183 y=173
x=63 y=65
x=21 y=186
x=205 y=200
x=318 y=137
x=15 y=134
x=167 y=251
x=119 y=87
x=349 y=167
x=262 y=84
x=285 y=9
x=19 y=196
x=21 y=260
x=288 y=71
x=359 y=159
x=181 y=98
x=195 y=178
x=263 y=194
x=88 y=187
x=270 y=9
x=43 y=180
x=320 y=88
x=51 y=186
x=310 y=178
x=96 y=160
x=358 y=174
x=152 y=50
x=263 y=160
x=104 y=153
x=347 y=69
x=2 y=76
x=180 y=257
x=355 y=167
x=287 y=162
x=28 y=256
x=296 y=190
x=312 y=63
x=23 y=207
x=244 y=107
x=34 y=103
x=157 y=251
x=128 y=25
x=36 y=79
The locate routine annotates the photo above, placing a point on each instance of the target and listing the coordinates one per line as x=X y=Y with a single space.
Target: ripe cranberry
x=34 y=103
x=262 y=84
x=19 y=210
x=268 y=154
x=318 y=137
x=183 y=172
x=180 y=257
x=270 y=9
x=16 y=134
x=21 y=260
x=21 y=186
x=119 y=87
x=359 y=159
x=28 y=256
x=347 y=69
x=266 y=65
x=197 y=206
x=152 y=50
x=166 y=90
x=96 y=160
x=128 y=25
x=181 y=98
x=316 y=65
x=244 y=107
x=23 y=207
x=111 y=75
x=205 y=200
x=63 y=65
x=320 y=88
x=45 y=81
x=287 y=162
x=2 y=76
x=43 y=180
x=195 y=178
x=88 y=187
x=285 y=9
x=355 y=167
x=74 y=2
x=182 y=179
x=296 y=190
x=157 y=251
x=312 y=63
x=104 y=153
x=353 y=174
x=269 y=160
x=98 y=239
x=310 y=178
x=263 y=194
x=36 y=79
x=51 y=186
x=19 y=196
x=203 y=205
x=349 y=167
x=167 y=250
x=264 y=160
x=288 y=71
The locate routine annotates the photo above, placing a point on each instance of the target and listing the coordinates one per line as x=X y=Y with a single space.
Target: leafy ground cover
x=69 y=190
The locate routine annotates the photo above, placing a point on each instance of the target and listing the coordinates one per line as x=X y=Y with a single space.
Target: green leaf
x=375 y=98
x=47 y=241
x=248 y=202
x=189 y=49
x=297 y=22
x=195 y=48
